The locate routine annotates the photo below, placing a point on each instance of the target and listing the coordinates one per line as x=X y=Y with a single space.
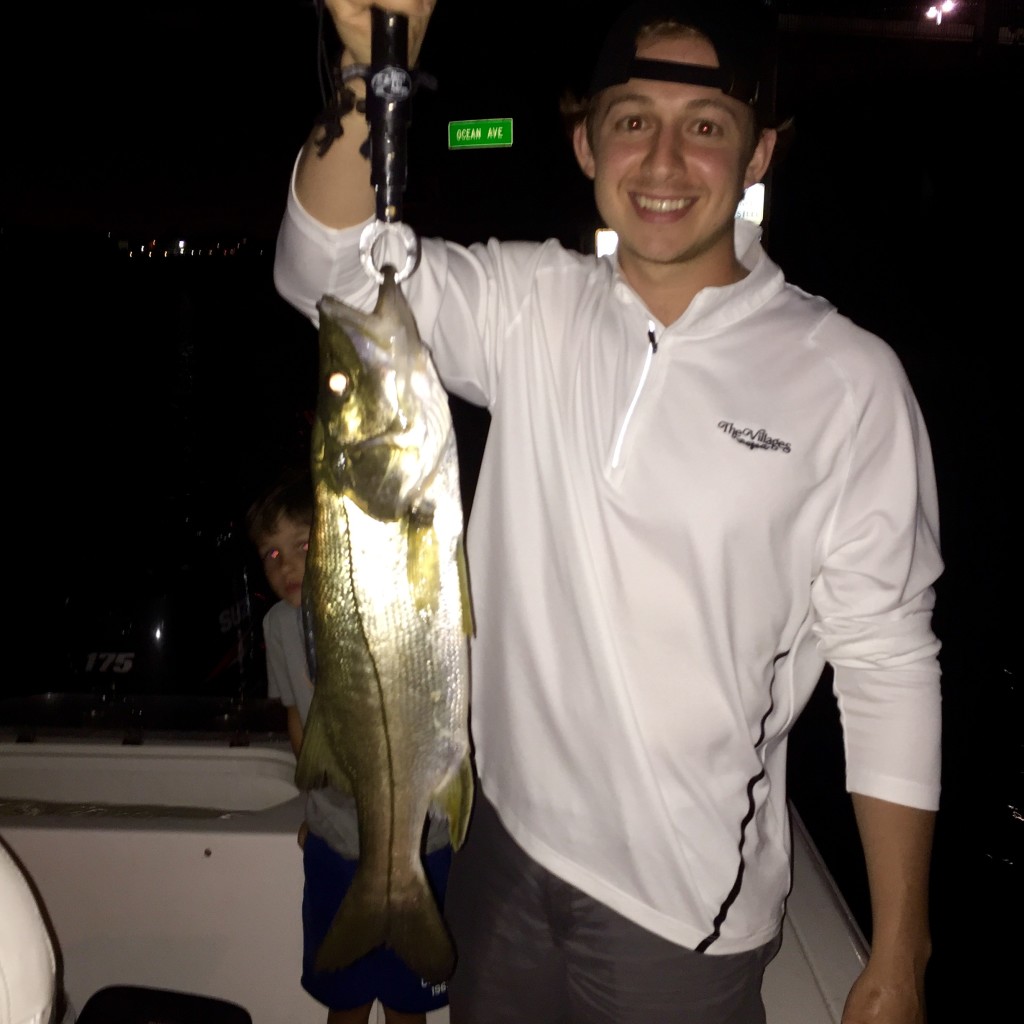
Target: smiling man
x=670 y=154
x=700 y=485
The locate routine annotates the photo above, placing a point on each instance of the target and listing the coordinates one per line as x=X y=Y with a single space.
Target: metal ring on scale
x=388 y=90
x=377 y=230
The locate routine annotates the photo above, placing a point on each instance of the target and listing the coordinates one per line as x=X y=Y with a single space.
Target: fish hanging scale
x=386 y=601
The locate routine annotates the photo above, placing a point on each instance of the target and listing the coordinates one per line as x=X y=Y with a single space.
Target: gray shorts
x=534 y=950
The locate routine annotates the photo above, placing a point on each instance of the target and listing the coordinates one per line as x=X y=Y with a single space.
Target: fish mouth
x=658 y=204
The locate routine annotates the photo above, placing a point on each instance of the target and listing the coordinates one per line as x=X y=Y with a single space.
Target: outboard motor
x=190 y=626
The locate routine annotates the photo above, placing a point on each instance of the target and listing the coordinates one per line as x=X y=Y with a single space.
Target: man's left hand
x=879 y=998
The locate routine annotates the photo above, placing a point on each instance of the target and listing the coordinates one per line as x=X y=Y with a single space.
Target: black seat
x=135 y=1004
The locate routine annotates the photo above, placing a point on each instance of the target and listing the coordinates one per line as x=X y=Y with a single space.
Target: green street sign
x=484 y=134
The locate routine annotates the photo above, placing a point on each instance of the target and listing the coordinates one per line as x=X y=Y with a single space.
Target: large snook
x=387 y=616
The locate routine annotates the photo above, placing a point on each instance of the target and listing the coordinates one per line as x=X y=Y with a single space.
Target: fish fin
x=409 y=923
x=423 y=564
x=468 y=624
x=308 y=774
x=316 y=767
x=456 y=802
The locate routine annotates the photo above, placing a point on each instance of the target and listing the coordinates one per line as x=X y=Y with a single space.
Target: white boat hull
x=175 y=865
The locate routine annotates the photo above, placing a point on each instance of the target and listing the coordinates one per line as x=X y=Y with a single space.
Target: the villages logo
x=753 y=438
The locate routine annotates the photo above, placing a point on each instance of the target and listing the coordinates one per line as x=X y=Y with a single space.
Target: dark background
x=149 y=395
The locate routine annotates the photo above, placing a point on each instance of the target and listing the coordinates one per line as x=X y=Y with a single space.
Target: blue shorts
x=381 y=974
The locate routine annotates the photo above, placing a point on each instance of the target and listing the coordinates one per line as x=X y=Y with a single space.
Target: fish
x=387 y=616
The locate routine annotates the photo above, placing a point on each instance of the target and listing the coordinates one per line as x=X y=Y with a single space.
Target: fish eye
x=338 y=382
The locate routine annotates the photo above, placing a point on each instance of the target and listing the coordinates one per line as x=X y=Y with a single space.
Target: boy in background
x=278 y=524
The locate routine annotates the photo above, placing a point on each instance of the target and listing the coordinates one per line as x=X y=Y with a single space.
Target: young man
x=700 y=484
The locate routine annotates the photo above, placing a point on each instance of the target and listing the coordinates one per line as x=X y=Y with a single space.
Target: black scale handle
x=388 y=94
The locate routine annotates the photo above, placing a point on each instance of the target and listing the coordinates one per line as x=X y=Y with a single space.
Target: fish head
x=383 y=417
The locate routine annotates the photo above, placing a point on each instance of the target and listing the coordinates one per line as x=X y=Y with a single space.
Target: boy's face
x=283 y=554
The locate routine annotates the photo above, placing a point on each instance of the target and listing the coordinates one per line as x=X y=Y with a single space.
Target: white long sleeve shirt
x=674 y=527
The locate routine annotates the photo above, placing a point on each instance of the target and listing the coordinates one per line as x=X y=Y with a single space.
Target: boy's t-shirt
x=330 y=814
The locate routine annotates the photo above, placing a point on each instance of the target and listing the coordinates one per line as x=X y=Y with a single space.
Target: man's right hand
x=333 y=185
x=352 y=20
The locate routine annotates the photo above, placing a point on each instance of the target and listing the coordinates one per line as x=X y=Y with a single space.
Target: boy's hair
x=291 y=495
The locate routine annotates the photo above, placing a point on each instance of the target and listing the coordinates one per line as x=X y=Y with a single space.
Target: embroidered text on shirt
x=753 y=439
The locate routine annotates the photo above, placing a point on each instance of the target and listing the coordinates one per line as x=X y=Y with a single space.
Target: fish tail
x=359 y=926
x=409 y=923
x=418 y=934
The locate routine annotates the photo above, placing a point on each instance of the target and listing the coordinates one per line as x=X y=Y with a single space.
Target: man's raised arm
x=335 y=187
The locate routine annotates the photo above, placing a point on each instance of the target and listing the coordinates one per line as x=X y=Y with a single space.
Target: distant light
x=938 y=10
x=181 y=245
x=751 y=208
x=605 y=241
x=752 y=204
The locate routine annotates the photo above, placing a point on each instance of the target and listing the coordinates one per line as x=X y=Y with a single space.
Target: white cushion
x=27 y=965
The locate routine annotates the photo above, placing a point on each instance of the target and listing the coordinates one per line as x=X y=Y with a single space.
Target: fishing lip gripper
x=389 y=89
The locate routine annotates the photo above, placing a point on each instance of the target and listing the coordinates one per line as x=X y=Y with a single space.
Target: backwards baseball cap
x=741 y=32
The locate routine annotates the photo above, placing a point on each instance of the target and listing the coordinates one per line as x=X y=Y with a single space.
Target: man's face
x=670 y=162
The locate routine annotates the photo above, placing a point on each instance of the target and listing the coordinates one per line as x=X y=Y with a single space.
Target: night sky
x=187 y=116
x=152 y=395
x=894 y=195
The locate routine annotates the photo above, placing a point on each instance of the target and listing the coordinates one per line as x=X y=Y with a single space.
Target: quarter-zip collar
x=713 y=310
x=716 y=309
x=652 y=348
